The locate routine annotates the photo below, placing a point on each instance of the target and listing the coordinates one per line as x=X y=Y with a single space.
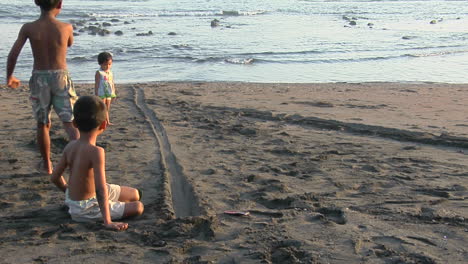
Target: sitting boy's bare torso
x=82 y=158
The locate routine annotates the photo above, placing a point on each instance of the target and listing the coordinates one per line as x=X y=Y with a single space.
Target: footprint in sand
x=31 y=196
x=5 y=205
x=333 y=214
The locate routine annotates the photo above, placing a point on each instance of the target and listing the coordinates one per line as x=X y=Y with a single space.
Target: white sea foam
x=259 y=40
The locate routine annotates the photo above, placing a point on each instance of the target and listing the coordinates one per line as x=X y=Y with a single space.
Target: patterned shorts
x=52 y=88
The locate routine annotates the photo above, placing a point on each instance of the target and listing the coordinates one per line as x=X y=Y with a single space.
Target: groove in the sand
x=184 y=201
x=355 y=128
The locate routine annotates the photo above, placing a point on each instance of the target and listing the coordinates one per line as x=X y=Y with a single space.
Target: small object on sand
x=237 y=213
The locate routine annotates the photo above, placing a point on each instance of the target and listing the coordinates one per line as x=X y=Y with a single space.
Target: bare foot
x=117 y=226
x=45 y=167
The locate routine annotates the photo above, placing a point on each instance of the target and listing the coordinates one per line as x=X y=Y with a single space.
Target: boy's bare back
x=49 y=40
x=82 y=158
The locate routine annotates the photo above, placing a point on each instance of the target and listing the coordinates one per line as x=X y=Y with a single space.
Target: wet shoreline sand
x=330 y=173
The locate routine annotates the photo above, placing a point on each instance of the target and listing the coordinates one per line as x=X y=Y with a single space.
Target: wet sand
x=329 y=173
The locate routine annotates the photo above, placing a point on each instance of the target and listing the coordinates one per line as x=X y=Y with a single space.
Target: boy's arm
x=13 y=57
x=57 y=177
x=70 y=38
x=96 y=82
x=102 y=192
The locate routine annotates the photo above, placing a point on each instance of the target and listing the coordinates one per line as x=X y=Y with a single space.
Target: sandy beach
x=328 y=173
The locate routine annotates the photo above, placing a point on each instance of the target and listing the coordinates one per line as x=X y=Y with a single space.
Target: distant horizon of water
x=277 y=41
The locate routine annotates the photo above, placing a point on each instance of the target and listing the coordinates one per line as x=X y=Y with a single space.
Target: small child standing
x=104 y=81
x=87 y=194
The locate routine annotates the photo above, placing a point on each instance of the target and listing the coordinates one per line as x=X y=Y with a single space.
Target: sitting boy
x=88 y=196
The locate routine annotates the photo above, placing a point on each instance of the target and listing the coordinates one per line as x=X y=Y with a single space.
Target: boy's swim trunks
x=88 y=210
x=52 y=88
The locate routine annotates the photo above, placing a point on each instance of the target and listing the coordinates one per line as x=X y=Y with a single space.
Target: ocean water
x=258 y=40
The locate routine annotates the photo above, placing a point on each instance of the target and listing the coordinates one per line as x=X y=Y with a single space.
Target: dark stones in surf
x=95 y=28
x=435 y=21
x=103 y=32
x=351 y=20
x=214 y=23
x=149 y=33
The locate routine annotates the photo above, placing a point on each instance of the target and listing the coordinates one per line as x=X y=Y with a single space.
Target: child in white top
x=104 y=81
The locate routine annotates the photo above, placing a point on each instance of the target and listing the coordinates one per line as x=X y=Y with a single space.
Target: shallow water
x=260 y=40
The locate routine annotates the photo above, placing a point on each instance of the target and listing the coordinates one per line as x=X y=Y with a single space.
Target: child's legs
x=128 y=194
x=40 y=90
x=73 y=132
x=124 y=196
x=63 y=98
x=133 y=209
x=107 y=101
x=43 y=141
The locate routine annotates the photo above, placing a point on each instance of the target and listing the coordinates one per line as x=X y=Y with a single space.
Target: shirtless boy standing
x=50 y=84
x=88 y=196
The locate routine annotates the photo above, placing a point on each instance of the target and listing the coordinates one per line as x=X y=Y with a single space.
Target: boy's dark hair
x=89 y=112
x=103 y=57
x=47 y=4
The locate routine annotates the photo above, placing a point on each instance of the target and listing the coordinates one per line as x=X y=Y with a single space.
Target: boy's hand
x=12 y=82
x=117 y=226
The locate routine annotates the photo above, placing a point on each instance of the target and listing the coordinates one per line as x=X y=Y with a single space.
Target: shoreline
x=279 y=83
x=317 y=191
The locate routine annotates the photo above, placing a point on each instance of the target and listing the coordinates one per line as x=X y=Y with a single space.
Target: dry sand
x=330 y=173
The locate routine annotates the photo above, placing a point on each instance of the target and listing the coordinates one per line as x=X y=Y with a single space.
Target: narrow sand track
x=184 y=201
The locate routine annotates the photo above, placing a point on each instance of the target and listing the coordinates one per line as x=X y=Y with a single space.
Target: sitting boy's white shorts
x=88 y=210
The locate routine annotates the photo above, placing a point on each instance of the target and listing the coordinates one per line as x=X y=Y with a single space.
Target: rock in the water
x=214 y=23
x=103 y=32
x=145 y=34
